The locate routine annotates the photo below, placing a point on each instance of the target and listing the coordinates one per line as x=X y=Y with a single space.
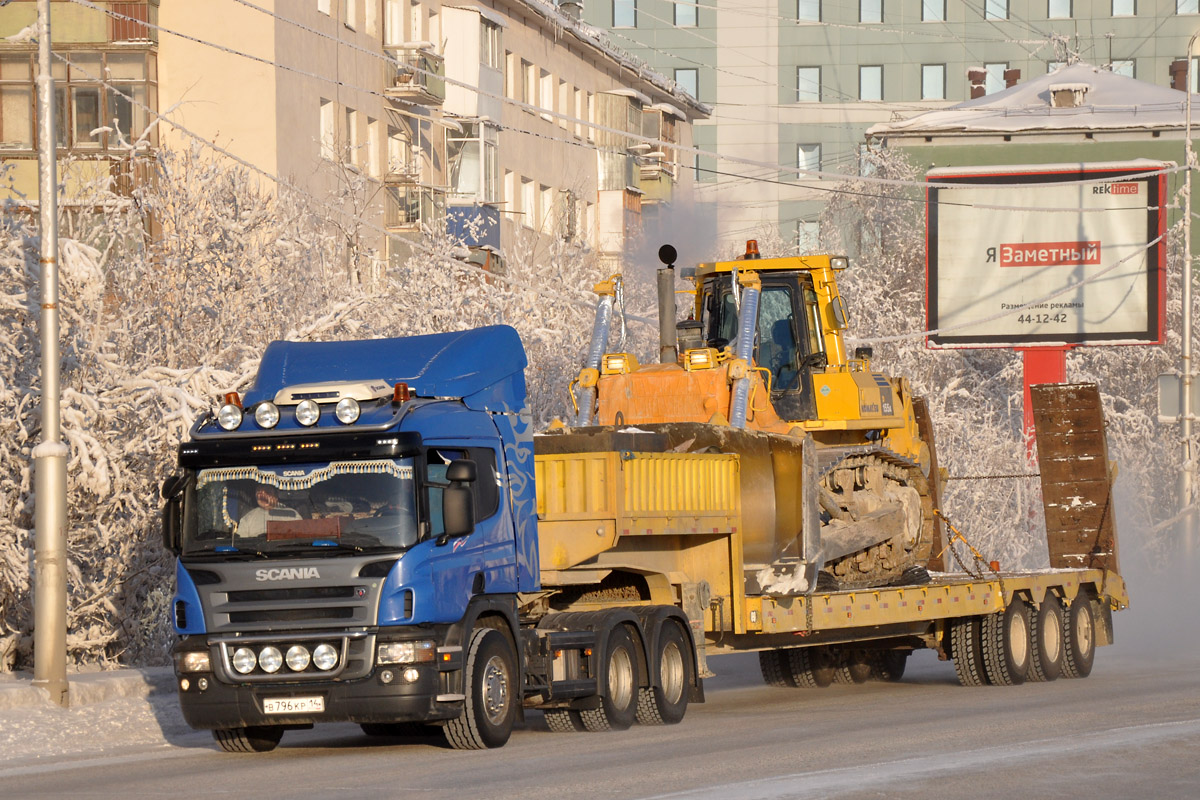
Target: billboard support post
x=1188 y=523
x=1041 y=365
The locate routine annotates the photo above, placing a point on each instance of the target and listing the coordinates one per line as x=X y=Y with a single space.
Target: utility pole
x=50 y=455
x=1188 y=523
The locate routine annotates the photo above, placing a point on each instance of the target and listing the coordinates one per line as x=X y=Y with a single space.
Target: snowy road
x=1131 y=729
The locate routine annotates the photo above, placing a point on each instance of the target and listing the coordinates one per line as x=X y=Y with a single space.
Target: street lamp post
x=50 y=455
x=1188 y=523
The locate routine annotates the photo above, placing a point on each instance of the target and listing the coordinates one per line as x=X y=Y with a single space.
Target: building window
x=870 y=83
x=1187 y=6
x=689 y=80
x=491 y=52
x=528 y=203
x=994 y=82
x=870 y=10
x=808 y=10
x=351 y=12
x=353 y=150
x=808 y=84
x=325 y=6
x=933 y=81
x=16 y=102
x=685 y=14
x=1058 y=9
x=1052 y=66
x=1124 y=67
x=374 y=147
x=995 y=9
x=624 y=13
x=546 y=92
x=706 y=168
x=328 y=131
x=529 y=84
x=808 y=158
x=933 y=10
x=474 y=165
x=1124 y=8
x=808 y=236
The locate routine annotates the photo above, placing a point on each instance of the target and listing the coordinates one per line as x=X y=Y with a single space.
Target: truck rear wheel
x=854 y=668
x=251 y=739
x=774 y=667
x=618 y=704
x=1006 y=644
x=1079 y=640
x=889 y=665
x=666 y=703
x=1046 y=641
x=491 y=687
x=563 y=720
x=966 y=648
x=811 y=667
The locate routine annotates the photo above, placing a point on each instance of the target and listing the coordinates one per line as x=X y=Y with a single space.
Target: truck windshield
x=301 y=509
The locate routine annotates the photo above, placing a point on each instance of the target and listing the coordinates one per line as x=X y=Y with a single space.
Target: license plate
x=293 y=705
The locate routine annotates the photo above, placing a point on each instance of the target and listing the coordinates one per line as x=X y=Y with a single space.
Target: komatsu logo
x=287 y=574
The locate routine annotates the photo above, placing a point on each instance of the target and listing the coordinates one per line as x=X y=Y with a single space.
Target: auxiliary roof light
x=266 y=414
x=229 y=417
x=400 y=393
x=347 y=410
x=308 y=412
x=618 y=364
x=700 y=358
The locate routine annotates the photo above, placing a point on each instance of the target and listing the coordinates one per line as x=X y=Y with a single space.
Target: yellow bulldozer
x=836 y=460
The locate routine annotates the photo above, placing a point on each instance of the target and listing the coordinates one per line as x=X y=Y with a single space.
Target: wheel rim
x=671 y=672
x=1083 y=632
x=1052 y=636
x=620 y=678
x=495 y=690
x=1018 y=638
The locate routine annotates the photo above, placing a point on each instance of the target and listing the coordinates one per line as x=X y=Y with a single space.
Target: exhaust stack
x=667 y=352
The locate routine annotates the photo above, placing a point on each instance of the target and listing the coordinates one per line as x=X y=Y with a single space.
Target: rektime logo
x=1115 y=188
x=287 y=574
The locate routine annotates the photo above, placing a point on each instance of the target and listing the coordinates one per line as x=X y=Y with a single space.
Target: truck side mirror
x=172 y=513
x=458 y=500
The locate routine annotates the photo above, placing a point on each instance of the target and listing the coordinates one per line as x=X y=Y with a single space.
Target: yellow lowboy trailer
x=622 y=526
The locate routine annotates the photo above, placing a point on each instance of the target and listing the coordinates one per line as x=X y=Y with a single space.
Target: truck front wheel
x=251 y=739
x=618 y=705
x=490 y=707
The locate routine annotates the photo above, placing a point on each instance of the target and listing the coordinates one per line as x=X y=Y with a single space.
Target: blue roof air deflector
x=484 y=366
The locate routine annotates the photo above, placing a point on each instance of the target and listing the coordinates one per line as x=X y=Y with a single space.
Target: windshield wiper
x=227 y=552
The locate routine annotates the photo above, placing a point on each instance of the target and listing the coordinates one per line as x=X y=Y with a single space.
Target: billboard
x=1046 y=255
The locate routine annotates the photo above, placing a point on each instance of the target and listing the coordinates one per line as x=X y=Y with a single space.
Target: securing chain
x=980 y=561
x=992 y=477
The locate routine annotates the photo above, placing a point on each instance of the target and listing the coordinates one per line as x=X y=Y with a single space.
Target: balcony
x=411 y=205
x=474 y=224
x=415 y=75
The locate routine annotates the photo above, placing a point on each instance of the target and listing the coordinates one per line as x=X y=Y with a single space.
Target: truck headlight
x=405 y=652
x=194 y=662
x=266 y=415
x=308 y=412
x=229 y=417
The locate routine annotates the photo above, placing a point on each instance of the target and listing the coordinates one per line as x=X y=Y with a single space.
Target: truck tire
x=666 y=703
x=1046 y=641
x=1079 y=638
x=563 y=720
x=618 y=704
x=1006 y=648
x=492 y=693
x=889 y=665
x=966 y=648
x=811 y=667
x=251 y=739
x=774 y=667
x=854 y=667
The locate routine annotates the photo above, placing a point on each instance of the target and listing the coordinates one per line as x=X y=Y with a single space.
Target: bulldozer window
x=777 y=350
x=812 y=311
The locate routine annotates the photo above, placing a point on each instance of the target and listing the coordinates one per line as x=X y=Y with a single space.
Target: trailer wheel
x=618 y=704
x=491 y=687
x=811 y=667
x=666 y=703
x=966 y=648
x=774 y=667
x=889 y=665
x=1079 y=641
x=1046 y=641
x=1006 y=644
x=251 y=739
x=563 y=720
x=854 y=668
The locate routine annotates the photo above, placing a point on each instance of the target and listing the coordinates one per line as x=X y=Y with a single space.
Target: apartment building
x=352 y=102
x=796 y=84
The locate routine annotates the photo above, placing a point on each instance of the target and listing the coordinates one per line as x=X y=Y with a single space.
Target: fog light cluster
x=271 y=659
x=405 y=652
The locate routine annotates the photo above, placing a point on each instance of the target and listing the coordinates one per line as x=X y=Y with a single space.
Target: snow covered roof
x=1108 y=102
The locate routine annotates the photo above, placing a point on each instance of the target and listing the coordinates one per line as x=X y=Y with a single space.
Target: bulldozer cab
x=788 y=341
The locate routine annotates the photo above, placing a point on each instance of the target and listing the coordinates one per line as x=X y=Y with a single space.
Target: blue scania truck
x=357 y=541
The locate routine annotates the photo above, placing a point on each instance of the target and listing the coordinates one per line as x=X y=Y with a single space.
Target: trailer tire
x=854 y=667
x=811 y=667
x=1006 y=644
x=1046 y=641
x=666 y=703
x=251 y=739
x=492 y=693
x=563 y=720
x=774 y=667
x=889 y=665
x=1079 y=638
x=966 y=648
x=618 y=704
